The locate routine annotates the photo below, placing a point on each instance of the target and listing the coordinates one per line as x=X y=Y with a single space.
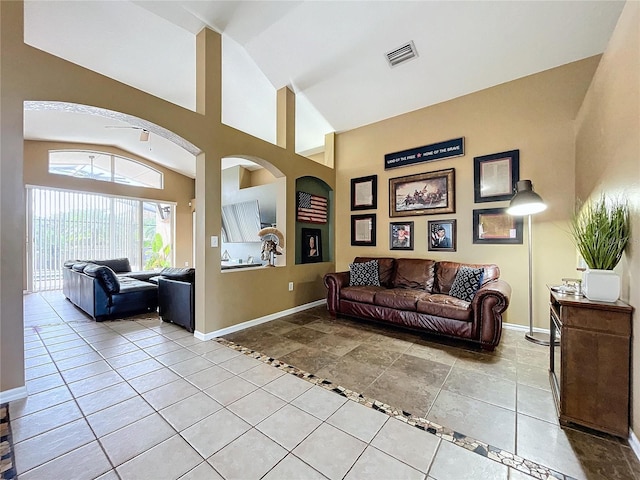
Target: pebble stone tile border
x=523 y=465
x=7 y=466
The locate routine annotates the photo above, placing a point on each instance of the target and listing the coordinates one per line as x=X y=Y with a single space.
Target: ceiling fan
x=144 y=133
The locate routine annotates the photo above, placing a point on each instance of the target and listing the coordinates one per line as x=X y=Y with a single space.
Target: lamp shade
x=525 y=201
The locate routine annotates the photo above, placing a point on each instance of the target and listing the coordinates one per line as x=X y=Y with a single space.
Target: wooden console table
x=589 y=368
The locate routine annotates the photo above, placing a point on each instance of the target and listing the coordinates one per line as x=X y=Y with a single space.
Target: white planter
x=601 y=285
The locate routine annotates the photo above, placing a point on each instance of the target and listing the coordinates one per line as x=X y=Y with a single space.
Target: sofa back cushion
x=186 y=274
x=79 y=266
x=107 y=277
x=118 y=265
x=385 y=268
x=416 y=273
x=446 y=274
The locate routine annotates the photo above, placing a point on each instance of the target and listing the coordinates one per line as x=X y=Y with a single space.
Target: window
x=64 y=225
x=105 y=167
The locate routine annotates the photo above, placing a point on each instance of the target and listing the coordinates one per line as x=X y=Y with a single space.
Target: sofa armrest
x=490 y=301
x=334 y=282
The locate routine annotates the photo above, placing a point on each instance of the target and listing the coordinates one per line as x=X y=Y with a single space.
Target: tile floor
x=141 y=399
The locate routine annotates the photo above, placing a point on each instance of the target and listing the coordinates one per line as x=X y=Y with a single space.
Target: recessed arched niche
x=314 y=221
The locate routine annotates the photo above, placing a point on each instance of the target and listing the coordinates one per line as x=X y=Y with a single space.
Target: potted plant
x=600 y=231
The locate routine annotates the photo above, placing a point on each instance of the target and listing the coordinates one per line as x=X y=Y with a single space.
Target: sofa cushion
x=385 y=268
x=466 y=283
x=398 y=298
x=107 y=277
x=79 y=266
x=70 y=263
x=446 y=273
x=360 y=294
x=444 y=306
x=118 y=265
x=415 y=273
x=186 y=274
x=364 y=274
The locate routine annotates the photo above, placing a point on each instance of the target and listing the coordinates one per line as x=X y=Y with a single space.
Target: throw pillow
x=466 y=283
x=364 y=274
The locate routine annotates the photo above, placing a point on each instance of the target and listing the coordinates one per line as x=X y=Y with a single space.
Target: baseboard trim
x=257 y=321
x=634 y=443
x=523 y=328
x=13 y=394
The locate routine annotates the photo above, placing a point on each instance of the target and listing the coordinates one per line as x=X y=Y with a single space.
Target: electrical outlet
x=291 y=286
x=186 y=264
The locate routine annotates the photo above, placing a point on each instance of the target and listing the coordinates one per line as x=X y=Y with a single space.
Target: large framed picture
x=401 y=235
x=442 y=235
x=364 y=193
x=422 y=194
x=495 y=176
x=494 y=225
x=311 y=245
x=363 y=230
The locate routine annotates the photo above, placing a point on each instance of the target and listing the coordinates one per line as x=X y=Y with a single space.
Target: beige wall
x=608 y=155
x=533 y=114
x=178 y=188
x=221 y=299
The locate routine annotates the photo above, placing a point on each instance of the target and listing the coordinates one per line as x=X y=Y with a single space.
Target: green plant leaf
x=601 y=231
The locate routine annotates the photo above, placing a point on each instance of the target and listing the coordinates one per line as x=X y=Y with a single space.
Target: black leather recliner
x=176 y=296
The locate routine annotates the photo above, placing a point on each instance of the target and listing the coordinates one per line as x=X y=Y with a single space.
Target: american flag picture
x=311 y=208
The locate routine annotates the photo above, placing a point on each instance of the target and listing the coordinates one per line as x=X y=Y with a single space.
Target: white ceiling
x=331 y=53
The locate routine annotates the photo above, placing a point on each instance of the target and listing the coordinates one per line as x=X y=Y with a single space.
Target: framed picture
x=311 y=245
x=494 y=225
x=401 y=235
x=364 y=193
x=442 y=235
x=495 y=176
x=422 y=194
x=363 y=230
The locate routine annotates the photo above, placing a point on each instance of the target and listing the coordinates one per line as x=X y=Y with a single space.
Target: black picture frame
x=364 y=193
x=495 y=176
x=496 y=226
x=428 y=193
x=363 y=230
x=442 y=235
x=401 y=235
x=309 y=254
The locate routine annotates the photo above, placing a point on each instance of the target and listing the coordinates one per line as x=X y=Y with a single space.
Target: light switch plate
x=214 y=241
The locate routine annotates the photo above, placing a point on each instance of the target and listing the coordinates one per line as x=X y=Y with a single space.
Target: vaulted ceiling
x=331 y=53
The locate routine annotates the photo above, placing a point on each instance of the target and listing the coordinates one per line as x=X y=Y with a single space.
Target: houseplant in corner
x=600 y=231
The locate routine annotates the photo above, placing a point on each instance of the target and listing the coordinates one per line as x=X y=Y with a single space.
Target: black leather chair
x=176 y=296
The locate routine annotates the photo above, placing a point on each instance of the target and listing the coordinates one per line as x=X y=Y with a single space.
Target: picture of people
x=401 y=236
x=311 y=246
x=442 y=235
x=313 y=251
x=429 y=193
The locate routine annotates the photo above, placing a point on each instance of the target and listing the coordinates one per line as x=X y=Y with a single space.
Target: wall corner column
x=12 y=204
x=286 y=119
x=209 y=73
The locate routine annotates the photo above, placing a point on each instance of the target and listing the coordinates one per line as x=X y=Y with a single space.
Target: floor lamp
x=527 y=202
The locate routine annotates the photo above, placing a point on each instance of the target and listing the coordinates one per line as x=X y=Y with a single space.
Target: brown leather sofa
x=414 y=293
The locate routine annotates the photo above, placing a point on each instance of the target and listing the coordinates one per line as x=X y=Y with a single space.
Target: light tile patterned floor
x=141 y=399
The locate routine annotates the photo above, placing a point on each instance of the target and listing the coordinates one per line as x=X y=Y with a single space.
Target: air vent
x=402 y=54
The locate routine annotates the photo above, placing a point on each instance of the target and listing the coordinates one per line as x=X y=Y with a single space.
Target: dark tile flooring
x=501 y=398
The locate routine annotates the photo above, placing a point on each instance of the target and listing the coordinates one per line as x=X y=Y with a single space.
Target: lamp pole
x=527 y=202
x=536 y=337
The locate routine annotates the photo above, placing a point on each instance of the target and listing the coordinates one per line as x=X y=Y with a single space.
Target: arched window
x=105 y=167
